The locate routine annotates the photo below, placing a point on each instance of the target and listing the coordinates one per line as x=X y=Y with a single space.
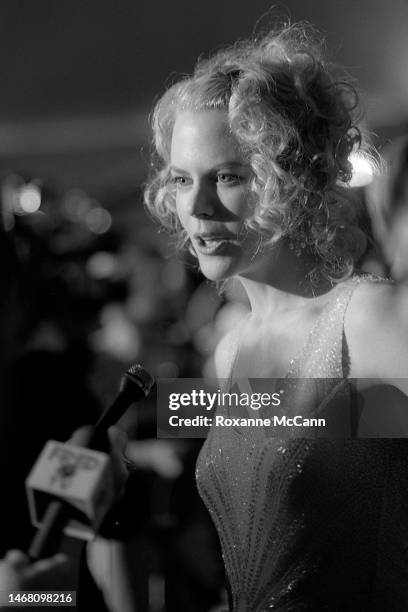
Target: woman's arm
x=376 y=329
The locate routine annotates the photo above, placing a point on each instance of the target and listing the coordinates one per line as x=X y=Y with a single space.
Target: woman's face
x=211 y=178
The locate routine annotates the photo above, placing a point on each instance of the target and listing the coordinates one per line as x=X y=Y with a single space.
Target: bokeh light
x=98 y=220
x=363 y=170
x=75 y=205
x=102 y=265
x=29 y=198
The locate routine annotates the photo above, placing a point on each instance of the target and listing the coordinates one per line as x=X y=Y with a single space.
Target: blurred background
x=88 y=282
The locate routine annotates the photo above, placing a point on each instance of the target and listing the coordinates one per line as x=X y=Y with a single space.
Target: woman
x=251 y=172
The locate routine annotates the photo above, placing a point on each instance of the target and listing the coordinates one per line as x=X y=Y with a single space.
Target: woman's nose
x=202 y=202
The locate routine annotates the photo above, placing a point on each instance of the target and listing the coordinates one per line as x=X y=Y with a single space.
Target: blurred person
x=46 y=384
x=250 y=172
x=17 y=573
x=43 y=395
x=387 y=200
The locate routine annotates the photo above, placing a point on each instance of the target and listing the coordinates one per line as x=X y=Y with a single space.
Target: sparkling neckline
x=296 y=361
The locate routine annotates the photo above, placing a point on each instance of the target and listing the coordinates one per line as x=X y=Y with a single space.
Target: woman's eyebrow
x=175 y=169
x=218 y=166
x=231 y=164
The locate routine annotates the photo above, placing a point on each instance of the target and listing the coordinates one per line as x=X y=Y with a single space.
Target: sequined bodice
x=310 y=524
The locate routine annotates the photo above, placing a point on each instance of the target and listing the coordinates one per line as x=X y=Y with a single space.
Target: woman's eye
x=179 y=181
x=228 y=178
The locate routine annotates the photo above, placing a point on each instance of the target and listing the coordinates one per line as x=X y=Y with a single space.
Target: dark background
x=79 y=78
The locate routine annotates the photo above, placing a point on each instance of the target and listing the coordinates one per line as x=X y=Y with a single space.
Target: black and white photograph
x=204 y=306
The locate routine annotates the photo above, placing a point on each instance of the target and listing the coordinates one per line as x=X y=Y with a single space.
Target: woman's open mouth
x=214 y=244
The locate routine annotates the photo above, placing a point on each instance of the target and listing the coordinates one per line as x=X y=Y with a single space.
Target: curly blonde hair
x=294 y=116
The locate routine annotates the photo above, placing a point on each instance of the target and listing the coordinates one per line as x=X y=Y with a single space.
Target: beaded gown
x=310 y=524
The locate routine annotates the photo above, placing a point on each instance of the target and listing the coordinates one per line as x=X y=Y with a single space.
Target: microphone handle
x=98 y=440
x=48 y=537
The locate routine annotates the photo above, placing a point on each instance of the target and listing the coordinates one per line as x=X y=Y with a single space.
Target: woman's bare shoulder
x=376 y=328
x=225 y=352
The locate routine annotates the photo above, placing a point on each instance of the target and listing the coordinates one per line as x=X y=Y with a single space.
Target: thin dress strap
x=325 y=354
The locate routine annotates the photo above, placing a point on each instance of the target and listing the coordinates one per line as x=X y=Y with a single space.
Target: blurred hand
x=118 y=441
x=108 y=562
x=18 y=574
x=162 y=456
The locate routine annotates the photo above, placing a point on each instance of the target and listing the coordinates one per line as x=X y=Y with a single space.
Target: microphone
x=78 y=475
x=135 y=385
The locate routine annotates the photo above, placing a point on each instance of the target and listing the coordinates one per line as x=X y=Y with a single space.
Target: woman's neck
x=280 y=281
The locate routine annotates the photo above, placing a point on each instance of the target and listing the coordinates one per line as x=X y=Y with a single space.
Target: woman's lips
x=215 y=244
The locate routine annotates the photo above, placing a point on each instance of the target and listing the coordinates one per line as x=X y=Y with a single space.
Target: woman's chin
x=218 y=269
